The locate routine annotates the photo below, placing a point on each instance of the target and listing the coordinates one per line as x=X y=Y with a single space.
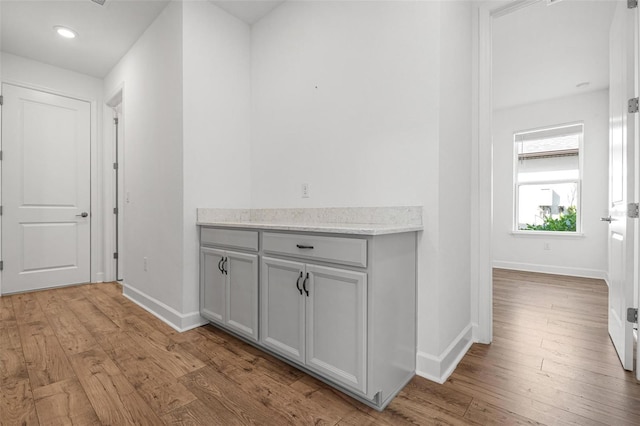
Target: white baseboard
x=438 y=369
x=179 y=322
x=548 y=269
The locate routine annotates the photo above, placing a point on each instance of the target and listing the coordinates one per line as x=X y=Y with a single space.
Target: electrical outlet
x=547 y=246
x=144 y=263
x=305 y=190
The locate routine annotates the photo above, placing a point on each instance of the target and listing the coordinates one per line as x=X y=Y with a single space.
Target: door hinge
x=115 y=210
x=115 y=120
x=0 y=210
x=115 y=255
x=633 y=210
x=632 y=4
x=0 y=155
x=634 y=104
x=115 y=166
x=1 y=100
x=1 y=265
x=632 y=315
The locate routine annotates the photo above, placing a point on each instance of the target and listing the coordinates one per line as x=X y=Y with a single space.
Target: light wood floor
x=86 y=355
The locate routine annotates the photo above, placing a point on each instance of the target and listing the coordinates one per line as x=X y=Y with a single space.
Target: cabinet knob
x=220 y=265
x=224 y=266
x=298 y=283
x=301 y=246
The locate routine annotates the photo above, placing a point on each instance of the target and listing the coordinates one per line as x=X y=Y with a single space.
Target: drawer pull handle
x=220 y=265
x=300 y=246
x=304 y=284
x=298 y=283
x=224 y=268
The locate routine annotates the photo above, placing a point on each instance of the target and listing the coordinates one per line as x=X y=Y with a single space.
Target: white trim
x=511 y=7
x=109 y=187
x=482 y=185
x=438 y=369
x=176 y=320
x=99 y=277
x=549 y=269
x=482 y=165
x=547 y=234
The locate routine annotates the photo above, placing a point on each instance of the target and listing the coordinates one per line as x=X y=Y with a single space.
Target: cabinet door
x=282 y=308
x=212 y=285
x=336 y=325
x=242 y=294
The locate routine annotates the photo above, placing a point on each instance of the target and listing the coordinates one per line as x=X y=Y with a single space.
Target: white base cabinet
x=340 y=307
x=316 y=316
x=229 y=290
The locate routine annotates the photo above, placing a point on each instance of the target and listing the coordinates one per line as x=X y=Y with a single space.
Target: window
x=547 y=179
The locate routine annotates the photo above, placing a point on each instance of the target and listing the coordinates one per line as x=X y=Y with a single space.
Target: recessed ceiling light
x=583 y=84
x=65 y=32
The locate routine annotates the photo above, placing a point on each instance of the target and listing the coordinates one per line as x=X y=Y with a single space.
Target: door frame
x=96 y=273
x=482 y=163
x=114 y=99
x=482 y=167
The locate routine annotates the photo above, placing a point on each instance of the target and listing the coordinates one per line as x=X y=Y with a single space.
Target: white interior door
x=45 y=190
x=622 y=188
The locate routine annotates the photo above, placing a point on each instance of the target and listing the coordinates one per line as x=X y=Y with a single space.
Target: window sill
x=547 y=234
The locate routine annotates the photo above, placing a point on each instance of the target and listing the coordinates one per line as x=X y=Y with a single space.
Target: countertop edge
x=330 y=228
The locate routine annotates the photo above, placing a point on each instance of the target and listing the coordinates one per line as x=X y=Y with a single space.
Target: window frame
x=516 y=184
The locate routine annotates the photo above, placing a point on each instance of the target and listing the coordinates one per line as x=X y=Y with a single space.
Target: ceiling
x=542 y=52
x=248 y=11
x=106 y=32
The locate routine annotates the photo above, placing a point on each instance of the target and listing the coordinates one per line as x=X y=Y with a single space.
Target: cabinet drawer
x=229 y=238
x=347 y=251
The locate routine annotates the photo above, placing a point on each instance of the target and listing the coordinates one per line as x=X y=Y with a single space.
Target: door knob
x=83 y=214
x=606 y=219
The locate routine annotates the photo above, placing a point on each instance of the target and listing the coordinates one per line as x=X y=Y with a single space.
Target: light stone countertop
x=331 y=228
x=353 y=220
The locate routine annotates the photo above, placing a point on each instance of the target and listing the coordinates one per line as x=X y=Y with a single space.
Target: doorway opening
x=542 y=252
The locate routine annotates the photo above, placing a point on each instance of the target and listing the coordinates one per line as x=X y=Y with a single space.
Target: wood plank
x=160 y=390
x=105 y=303
x=72 y=335
x=325 y=396
x=16 y=404
x=521 y=405
x=45 y=359
x=13 y=367
x=572 y=397
x=92 y=318
x=228 y=350
x=113 y=398
x=26 y=308
x=229 y=401
x=206 y=413
x=6 y=309
x=64 y=403
x=360 y=418
x=281 y=399
x=488 y=414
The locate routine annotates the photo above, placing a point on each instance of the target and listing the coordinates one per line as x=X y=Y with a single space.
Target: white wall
x=581 y=256
x=362 y=101
x=37 y=75
x=454 y=183
x=151 y=74
x=216 y=116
